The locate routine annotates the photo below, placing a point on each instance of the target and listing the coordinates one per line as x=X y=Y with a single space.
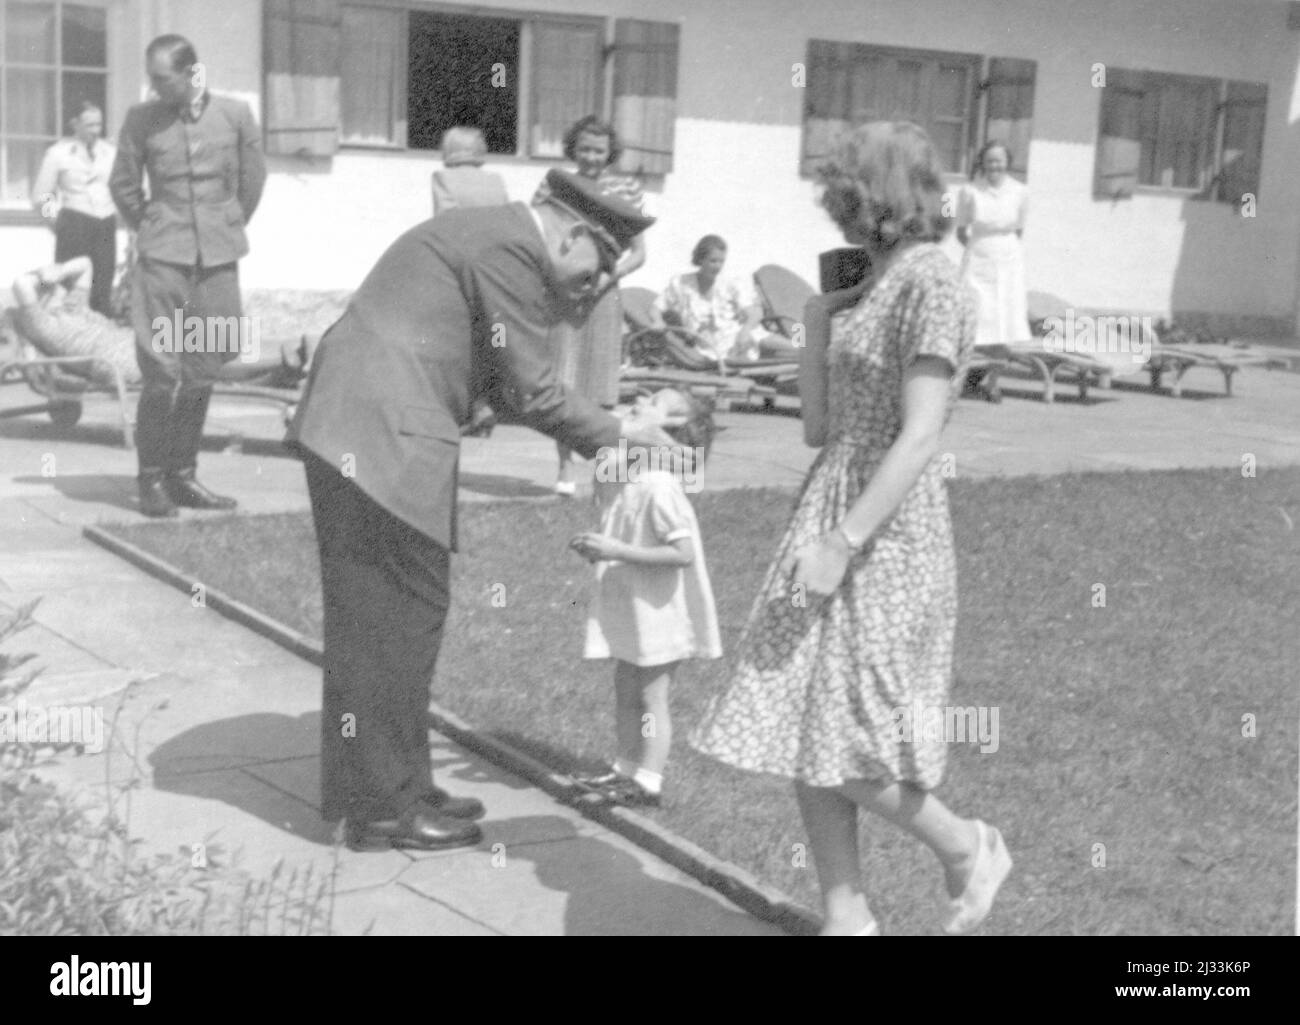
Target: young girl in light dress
x=653 y=606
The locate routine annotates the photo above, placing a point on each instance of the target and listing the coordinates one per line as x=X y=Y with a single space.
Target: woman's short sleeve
x=937 y=316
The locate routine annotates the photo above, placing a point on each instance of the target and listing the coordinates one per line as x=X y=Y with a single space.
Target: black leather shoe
x=154 y=499
x=443 y=803
x=184 y=490
x=420 y=829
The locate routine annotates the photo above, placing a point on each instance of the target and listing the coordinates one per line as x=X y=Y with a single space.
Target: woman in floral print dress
x=852 y=632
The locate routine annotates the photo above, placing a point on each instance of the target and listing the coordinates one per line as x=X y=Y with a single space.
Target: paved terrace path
x=228 y=722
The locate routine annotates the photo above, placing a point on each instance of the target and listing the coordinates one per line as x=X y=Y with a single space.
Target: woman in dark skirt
x=71 y=193
x=589 y=355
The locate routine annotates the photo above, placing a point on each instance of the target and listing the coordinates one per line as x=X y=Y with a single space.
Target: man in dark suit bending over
x=456 y=309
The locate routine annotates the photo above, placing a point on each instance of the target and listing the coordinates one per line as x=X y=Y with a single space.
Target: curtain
x=1009 y=114
x=1119 y=147
x=1244 y=108
x=372 y=69
x=302 y=56
x=645 y=94
x=567 y=67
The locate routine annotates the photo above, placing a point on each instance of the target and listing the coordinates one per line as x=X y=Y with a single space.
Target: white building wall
x=322 y=224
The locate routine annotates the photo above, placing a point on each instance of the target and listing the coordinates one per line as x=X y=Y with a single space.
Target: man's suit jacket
x=458 y=307
x=205 y=180
x=455 y=187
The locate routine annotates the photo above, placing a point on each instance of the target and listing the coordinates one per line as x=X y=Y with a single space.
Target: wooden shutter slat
x=645 y=93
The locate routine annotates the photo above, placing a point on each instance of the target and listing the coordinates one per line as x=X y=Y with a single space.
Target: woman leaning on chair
x=590 y=354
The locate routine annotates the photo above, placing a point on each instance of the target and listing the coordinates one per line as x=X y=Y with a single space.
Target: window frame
x=973 y=119
x=526 y=72
x=1212 y=161
x=11 y=209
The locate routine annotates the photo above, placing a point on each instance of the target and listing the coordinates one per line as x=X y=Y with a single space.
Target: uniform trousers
x=177 y=385
x=386 y=591
x=77 y=234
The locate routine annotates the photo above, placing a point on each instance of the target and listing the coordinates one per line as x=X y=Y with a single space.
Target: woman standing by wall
x=855 y=621
x=590 y=354
x=71 y=193
x=991 y=214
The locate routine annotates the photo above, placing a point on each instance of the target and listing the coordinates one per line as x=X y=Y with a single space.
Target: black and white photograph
x=709 y=468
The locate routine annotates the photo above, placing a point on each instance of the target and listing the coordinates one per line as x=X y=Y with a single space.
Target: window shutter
x=567 y=72
x=1243 y=140
x=838 y=90
x=302 y=76
x=1119 y=145
x=1009 y=113
x=645 y=93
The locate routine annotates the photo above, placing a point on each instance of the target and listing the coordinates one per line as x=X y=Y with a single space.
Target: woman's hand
x=596 y=547
x=819 y=567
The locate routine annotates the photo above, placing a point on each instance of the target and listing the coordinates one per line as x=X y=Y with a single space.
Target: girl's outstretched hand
x=595 y=547
x=819 y=567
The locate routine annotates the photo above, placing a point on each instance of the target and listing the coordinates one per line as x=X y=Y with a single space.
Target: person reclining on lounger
x=53 y=313
x=726 y=316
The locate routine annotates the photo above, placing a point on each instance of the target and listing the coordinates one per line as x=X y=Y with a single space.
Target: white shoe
x=567 y=488
x=870 y=930
x=992 y=864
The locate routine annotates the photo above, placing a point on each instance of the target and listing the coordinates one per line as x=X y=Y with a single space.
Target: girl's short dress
x=651 y=615
x=819 y=684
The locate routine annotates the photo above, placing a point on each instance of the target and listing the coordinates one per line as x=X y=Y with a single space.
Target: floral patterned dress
x=819 y=683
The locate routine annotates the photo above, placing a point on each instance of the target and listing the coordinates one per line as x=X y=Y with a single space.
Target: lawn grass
x=1121 y=727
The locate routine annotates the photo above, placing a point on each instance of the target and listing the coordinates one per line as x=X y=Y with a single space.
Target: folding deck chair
x=672 y=356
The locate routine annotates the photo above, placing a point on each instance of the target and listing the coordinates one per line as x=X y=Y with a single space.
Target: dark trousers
x=77 y=234
x=386 y=590
x=176 y=386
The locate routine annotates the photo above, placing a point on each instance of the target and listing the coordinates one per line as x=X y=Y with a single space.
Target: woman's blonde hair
x=884 y=184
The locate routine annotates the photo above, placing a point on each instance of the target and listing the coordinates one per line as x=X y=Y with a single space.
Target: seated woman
x=727 y=317
x=54 y=314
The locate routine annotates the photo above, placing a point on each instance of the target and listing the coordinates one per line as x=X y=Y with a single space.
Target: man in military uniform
x=458 y=309
x=203 y=157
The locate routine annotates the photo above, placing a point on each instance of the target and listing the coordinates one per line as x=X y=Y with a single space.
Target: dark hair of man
x=180 y=49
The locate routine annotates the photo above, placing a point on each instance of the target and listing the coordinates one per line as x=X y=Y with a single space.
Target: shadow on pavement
x=116 y=490
x=611 y=894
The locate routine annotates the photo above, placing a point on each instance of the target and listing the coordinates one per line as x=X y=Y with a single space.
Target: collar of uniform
x=193 y=110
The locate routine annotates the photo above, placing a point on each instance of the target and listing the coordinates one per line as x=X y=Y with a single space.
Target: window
x=408 y=76
x=950 y=95
x=380 y=74
x=1179 y=132
x=54 y=56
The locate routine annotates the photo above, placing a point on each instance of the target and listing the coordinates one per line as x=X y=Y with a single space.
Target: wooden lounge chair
x=63 y=391
x=655 y=355
x=1177 y=360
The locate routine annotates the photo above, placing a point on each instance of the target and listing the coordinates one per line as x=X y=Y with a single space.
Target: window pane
x=566 y=70
x=85 y=36
x=22 y=162
x=29 y=102
x=79 y=86
x=29 y=32
x=371 y=51
x=463 y=70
